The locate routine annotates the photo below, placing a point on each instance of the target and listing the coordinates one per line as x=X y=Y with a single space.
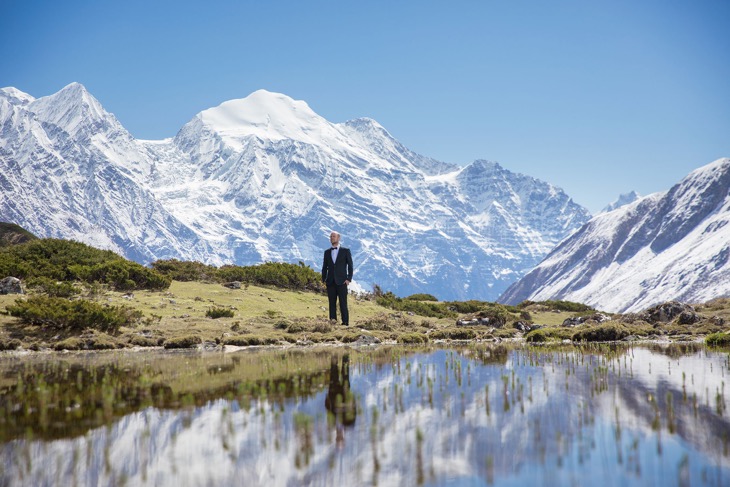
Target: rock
x=521 y=325
x=670 y=310
x=365 y=340
x=578 y=320
x=233 y=285
x=10 y=285
x=570 y=322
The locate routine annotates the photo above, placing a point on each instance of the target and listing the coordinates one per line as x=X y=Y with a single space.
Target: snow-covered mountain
x=671 y=245
x=266 y=178
x=622 y=200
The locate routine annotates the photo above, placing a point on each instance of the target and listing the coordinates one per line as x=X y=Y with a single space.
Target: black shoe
x=345 y=324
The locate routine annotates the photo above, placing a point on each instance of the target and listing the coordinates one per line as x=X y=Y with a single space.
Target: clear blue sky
x=596 y=96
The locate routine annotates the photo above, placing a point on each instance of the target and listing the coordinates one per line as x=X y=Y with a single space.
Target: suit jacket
x=340 y=271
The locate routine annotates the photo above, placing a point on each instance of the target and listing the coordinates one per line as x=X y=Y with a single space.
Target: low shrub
x=718 y=339
x=10 y=344
x=559 y=305
x=429 y=309
x=218 y=312
x=63 y=314
x=66 y=260
x=188 y=341
x=422 y=297
x=53 y=288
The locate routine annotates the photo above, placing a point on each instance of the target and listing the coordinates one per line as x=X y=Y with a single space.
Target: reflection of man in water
x=340 y=401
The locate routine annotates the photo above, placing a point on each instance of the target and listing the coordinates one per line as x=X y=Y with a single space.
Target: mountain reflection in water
x=476 y=415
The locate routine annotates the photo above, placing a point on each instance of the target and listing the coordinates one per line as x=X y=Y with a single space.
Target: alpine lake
x=474 y=414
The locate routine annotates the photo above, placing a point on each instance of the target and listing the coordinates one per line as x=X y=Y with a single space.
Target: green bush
x=422 y=297
x=186 y=271
x=188 y=341
x=66 y=260
x=433 y=310
x=718 y=339
x=53 y=288
x=279 y=274
x=217 y=312
x=62 y=314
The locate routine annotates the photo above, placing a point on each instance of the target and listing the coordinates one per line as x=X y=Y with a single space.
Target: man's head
x=335 y=239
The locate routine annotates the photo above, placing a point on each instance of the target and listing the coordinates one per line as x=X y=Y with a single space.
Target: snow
x=265 y=178
x=693 y=266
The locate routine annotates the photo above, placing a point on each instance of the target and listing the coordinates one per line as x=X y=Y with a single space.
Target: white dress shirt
x=335 y=251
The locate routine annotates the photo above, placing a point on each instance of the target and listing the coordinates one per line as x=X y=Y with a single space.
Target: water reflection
x=391 y=416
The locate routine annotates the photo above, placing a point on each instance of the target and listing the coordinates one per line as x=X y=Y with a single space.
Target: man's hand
x=347 y=283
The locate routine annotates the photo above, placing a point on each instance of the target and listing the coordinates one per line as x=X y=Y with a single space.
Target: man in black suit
x=337 y=274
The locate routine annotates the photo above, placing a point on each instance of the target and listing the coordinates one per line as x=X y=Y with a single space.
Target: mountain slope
x=266 y=178
x=671 y=245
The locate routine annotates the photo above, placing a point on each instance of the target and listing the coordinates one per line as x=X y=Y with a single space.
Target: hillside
x=12 y=234
x=673 y=245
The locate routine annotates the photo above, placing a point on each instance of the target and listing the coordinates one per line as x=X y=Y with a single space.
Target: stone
x=365 y=340
x=667 y=312
x=233 y=285
x=10 y=285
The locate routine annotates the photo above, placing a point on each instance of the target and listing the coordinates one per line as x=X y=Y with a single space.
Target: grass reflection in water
x=474 y=415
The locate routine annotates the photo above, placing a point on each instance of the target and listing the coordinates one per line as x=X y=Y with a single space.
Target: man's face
x=334 y=238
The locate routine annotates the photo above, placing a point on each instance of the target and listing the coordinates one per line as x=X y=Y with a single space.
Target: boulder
x=233 y=285
x=667 y=312
x=10 y=285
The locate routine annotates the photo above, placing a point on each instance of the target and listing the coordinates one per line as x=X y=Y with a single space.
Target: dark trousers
x=335 y=291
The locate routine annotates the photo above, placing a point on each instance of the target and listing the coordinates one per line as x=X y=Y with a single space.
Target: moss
x=73 y=343
x=411 y=338
x=718 y=339
x=142 y=341
x=537 y=336
x=188 y=341
x=609 y=332
x=252 y=340
x=505 y=332
x=453 y=334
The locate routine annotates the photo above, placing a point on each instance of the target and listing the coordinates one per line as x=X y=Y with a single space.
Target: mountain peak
x=265 y=114
x=70 y=108
x=15 y=95
x=622 y=200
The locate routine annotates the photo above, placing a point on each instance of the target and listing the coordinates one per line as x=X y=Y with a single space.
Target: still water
x=477 y=415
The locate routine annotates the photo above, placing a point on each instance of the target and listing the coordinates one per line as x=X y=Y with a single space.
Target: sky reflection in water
x=391 y=416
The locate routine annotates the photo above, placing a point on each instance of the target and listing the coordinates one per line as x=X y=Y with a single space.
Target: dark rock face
x=10 y=285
